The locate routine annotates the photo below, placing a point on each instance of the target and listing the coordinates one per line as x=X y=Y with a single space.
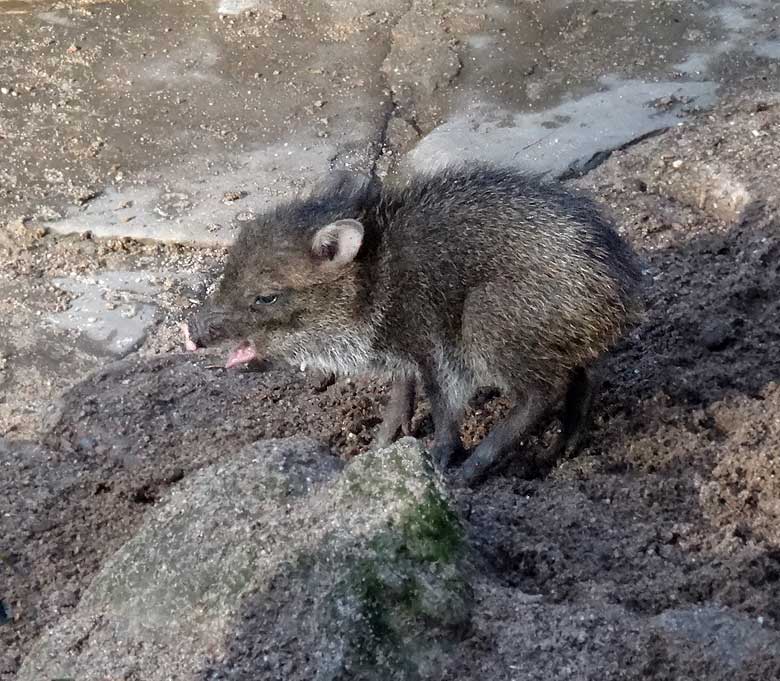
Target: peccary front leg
x=398 y=412
x=504 y=436
x=446 y=422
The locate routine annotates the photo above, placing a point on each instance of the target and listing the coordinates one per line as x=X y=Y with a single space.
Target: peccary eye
x=266 y=300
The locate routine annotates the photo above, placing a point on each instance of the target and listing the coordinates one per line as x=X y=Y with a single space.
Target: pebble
x=231 y=197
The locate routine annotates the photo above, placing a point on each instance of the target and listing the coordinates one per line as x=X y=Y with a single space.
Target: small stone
x=4 y=91
x=319 y=103
x=677 y=163
x=73 y=49
x=5 y=613
x=232 y=197
x=86 y=443
x=86 y=196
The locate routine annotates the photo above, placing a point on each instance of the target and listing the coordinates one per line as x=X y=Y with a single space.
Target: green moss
x=386 y=584
x=379 y=643
x=408 y=580
x=432 y=532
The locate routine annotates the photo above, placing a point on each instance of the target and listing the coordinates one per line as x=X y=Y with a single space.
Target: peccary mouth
x=242 y=354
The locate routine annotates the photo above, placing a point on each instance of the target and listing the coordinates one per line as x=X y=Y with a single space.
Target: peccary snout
x=204 y=328
x=210 y=326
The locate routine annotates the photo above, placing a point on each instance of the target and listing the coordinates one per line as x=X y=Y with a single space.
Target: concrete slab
x=209 y=207
x=168 y=118
x=112 y=312
x=565 y=138
x=173 y=120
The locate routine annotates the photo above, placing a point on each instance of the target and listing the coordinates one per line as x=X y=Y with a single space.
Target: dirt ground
x=673 y=502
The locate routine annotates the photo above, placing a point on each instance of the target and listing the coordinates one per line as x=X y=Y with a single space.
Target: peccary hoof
x=481 y=461
x=444 y=455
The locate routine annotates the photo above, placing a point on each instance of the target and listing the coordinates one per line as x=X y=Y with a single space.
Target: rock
x=281 y=562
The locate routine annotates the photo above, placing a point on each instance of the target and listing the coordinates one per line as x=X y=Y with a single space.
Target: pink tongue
x=241 y=355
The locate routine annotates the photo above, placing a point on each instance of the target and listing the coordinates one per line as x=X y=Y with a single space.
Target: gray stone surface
x=113 y=312
x=564 y=138
x=175 y=120
x=279 y=562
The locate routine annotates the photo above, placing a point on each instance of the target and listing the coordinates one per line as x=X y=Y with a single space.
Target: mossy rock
x=279 y=563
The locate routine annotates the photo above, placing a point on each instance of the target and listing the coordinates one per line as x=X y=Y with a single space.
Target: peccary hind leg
x=506 y=435
x=398 y=412
x=576 y=412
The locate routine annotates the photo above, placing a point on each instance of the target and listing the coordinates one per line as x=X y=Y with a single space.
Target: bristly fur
x=475 y=275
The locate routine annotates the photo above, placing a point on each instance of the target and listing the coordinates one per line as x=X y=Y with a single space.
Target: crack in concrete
x=392 y=106
x=575 y=171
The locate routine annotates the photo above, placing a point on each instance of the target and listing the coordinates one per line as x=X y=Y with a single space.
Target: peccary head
x=291 y=287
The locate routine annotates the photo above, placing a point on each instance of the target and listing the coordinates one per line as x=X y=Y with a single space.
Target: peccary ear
x=337 y=244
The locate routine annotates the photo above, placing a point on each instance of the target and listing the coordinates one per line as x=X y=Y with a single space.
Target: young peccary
x=473 y=276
